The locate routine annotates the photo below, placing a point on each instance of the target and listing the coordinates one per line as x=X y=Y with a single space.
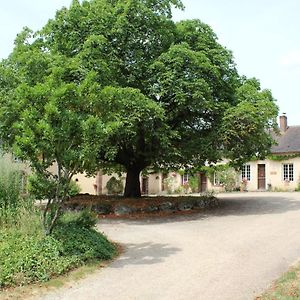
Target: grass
x=287 y=287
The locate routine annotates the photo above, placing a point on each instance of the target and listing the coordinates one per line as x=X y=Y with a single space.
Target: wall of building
x=273 y=179
x=89 y=184
x=18 y=163
x=274 y=175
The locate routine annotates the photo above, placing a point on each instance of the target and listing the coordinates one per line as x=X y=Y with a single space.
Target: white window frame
x=217 y=181
x=246 y=172
x=184 y=178
x=288 y=171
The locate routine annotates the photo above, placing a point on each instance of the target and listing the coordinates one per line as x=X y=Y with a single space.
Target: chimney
x=283 y=123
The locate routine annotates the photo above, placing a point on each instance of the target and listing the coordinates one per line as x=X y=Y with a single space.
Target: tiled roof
x=288 y=142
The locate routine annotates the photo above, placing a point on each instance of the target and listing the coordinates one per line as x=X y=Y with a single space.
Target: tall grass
x=16 y=208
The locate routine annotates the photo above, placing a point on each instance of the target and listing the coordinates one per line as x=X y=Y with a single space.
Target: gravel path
x=233 y=252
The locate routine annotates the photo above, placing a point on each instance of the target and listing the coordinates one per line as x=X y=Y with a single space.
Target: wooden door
x=261 y=176
x=145 y=185
x=202 y=183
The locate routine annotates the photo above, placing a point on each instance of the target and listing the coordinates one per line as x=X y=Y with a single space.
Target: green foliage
x=169 y=183
x=30 y=256
x=84 y=219
x=286 y=287
x=228 y=178
x=282 y=157
x=79 y=238
x=114 y=186
x=110 y=83
x=74 y=188
x=246 y=127
x=14 y=205
x=194 y=183
x=83 y=243
x=10 y=185
x=179 y=190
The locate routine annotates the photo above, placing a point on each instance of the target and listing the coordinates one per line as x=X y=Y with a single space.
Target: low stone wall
x=150 y=205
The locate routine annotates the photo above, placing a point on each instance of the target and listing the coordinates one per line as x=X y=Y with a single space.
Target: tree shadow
x=250 y=205
x=144 y=254
x=236 y=205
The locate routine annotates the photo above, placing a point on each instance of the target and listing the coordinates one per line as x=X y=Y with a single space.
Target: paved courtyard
x=233 y=252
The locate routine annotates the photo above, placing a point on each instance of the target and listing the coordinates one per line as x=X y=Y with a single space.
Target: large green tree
x=162 y=94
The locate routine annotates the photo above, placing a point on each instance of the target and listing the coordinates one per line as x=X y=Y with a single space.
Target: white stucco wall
x=274 y=175
x=273 y=172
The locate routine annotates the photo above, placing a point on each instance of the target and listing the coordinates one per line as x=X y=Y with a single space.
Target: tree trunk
x=132 y=186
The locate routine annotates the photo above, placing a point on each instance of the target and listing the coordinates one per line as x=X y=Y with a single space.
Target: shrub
x=29 y=258
x=32 y=256
x=169 y=183
x=74 y=189
x=228 y=178
x=114 y=186
x=194 y=183
x=77 y=234
x=83 y=243
x=84 y=218
x=179 y=190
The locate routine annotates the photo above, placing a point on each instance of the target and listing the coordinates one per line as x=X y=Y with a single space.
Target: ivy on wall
x=283 y=157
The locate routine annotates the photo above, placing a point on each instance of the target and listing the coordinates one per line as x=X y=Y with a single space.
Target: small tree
x=44 y=121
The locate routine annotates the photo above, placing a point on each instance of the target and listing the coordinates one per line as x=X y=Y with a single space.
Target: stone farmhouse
x=280 y=172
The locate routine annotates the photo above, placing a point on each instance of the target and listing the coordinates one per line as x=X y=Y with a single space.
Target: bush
x=194 y=183
x=74 y=189
x=169 y=183
x=228 y=177
x=114 y=186
x=83 y=243
x=84 y=218
x=27 y=257
x=76 y=233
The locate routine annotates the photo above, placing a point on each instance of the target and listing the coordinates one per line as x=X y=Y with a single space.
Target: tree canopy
x=118 y=83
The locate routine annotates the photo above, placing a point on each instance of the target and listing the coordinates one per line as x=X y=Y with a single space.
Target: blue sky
x=263 y=35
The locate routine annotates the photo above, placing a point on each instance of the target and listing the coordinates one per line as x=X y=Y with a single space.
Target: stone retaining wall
x=169 y=204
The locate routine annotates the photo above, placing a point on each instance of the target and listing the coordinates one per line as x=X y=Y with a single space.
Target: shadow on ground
x=144 y=254
x=235 y=206
x=249 y=205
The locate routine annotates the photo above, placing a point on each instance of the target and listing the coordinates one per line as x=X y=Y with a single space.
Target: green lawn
x=287 y=287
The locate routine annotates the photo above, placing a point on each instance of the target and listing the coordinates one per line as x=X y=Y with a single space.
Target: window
x=246 y=172
x=184 y=178
x=288 y=172
x=217 y=180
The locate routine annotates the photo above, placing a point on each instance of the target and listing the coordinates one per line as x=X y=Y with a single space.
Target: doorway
x=202 y=183
x=145 y=185
x=261 y=176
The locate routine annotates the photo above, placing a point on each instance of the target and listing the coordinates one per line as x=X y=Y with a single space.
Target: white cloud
x=291 y=59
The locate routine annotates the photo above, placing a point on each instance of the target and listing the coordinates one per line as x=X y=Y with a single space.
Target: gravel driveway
x=233 y=252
